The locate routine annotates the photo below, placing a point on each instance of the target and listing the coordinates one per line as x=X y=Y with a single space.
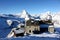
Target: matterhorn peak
x=25 y=15
x=24 y=12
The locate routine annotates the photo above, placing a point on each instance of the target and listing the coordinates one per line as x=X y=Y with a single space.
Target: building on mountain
x=38 y=26
x=16 y=32
x=19 y=32
x=32 y=27
x=51 y=29
x=46 y=27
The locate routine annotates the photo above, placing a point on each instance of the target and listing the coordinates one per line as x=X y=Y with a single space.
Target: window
x=17 y=28
x=29 y=31
x=22 y=26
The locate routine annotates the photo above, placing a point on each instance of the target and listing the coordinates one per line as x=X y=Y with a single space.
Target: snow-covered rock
x=9 y=22
x=37 y=18
x=46 y=16
x=10 y=35
x=19 y=25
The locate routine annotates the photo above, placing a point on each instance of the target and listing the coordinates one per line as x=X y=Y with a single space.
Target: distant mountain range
x=5 y=20
x=43 y=16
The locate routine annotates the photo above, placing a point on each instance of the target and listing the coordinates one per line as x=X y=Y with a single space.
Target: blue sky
x=31 y=6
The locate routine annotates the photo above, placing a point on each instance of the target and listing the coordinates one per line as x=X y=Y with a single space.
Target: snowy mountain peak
x=25 y=15
x=48 y=12
x=24 y=12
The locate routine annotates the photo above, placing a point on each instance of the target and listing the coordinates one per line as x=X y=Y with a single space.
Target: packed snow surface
x=46 y=35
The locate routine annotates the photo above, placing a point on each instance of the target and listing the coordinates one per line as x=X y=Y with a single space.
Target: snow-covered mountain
x=25 y=15
x=56 y=20
x=7 y=20
x=46 y=16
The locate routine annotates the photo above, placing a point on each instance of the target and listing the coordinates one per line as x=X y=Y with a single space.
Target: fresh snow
x=46 y=35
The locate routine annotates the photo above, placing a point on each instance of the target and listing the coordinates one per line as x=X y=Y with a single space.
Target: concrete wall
x=51 y=29
x=32 y=28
